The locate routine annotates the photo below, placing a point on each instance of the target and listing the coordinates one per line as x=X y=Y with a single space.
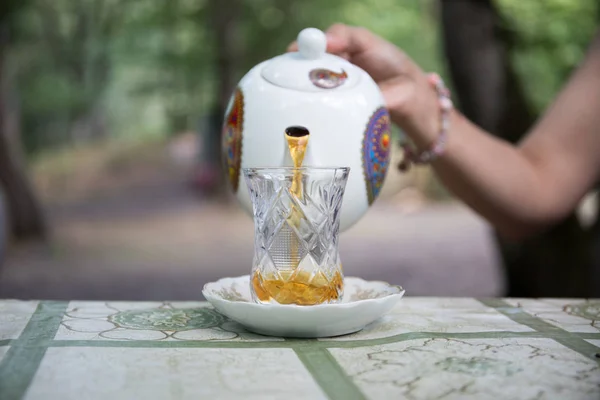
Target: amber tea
x=297 y=287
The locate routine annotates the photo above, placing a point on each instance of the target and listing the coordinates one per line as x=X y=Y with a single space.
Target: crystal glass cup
x=296 y=229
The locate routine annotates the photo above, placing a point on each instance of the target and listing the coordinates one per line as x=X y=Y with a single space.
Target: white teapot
x=338 y=103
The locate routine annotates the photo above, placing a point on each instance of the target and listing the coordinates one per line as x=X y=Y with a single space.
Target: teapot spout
x=297 y=131
x=297 y=138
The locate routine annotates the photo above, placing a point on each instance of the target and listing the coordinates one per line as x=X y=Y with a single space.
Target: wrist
x=428 y=129
x=416 y=111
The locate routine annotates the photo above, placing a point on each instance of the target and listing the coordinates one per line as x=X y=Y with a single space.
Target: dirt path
x=171 y=251
x=152 y=237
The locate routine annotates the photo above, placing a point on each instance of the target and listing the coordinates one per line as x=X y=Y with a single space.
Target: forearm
x=495 y=178
x=518 y=189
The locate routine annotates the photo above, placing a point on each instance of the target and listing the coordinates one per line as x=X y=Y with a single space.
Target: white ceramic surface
x=292 y=70
x=279 y=93
x=363 y=303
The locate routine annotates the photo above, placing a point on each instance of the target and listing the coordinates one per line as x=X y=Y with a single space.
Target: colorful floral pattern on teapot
x=376 y=152
x=232 y=139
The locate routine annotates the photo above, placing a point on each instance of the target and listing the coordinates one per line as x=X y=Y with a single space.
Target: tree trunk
x=24 y=212
x=225 y=20
x=558 y=262
x=225 y=17
x=477 y=52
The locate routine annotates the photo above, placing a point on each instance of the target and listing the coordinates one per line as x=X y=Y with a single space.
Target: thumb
x=397 y=94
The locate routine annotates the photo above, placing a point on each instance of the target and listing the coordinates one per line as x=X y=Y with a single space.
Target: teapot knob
x=312 y=43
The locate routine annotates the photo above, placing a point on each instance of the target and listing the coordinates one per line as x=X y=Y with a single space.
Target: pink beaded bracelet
x=425 y=157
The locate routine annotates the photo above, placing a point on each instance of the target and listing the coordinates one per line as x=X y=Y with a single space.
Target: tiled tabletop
x=426 y=348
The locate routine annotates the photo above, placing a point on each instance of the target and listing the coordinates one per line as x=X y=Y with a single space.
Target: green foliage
x=149 y=67
x=550 y=39
x=60 y=57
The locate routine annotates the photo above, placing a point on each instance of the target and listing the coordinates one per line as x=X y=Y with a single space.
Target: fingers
x=344 y=55
x=397 y=94
x=378 y=57
x=349 y=39
x=412 y=105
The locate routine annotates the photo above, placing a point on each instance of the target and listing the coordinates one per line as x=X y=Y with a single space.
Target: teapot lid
x=311 y=69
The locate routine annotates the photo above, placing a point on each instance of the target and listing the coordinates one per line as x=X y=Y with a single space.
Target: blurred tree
x=224 y=22
x=477 y=51
x=64 y=62
x=225 y=25
x=168 y=43
x=480 y=49
x=551 y=37
x=77 y=37
x=91 y=68
x=24 y=213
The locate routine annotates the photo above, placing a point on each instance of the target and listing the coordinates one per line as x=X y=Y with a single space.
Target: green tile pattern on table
x=24 y=355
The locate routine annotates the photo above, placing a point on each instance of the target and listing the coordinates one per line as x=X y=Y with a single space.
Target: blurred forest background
x=98 y=94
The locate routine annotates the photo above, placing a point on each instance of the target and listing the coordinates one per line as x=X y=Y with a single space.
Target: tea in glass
x=296 y=229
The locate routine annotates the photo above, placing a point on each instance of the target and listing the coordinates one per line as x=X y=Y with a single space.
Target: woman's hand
x=411 y=101
x=518 y=189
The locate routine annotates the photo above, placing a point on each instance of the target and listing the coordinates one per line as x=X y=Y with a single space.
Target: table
x=426 y=348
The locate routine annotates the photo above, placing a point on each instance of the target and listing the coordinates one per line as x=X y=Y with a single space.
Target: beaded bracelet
x=410 y=156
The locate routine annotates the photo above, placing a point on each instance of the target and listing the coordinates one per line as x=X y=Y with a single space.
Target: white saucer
x=363 y=302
